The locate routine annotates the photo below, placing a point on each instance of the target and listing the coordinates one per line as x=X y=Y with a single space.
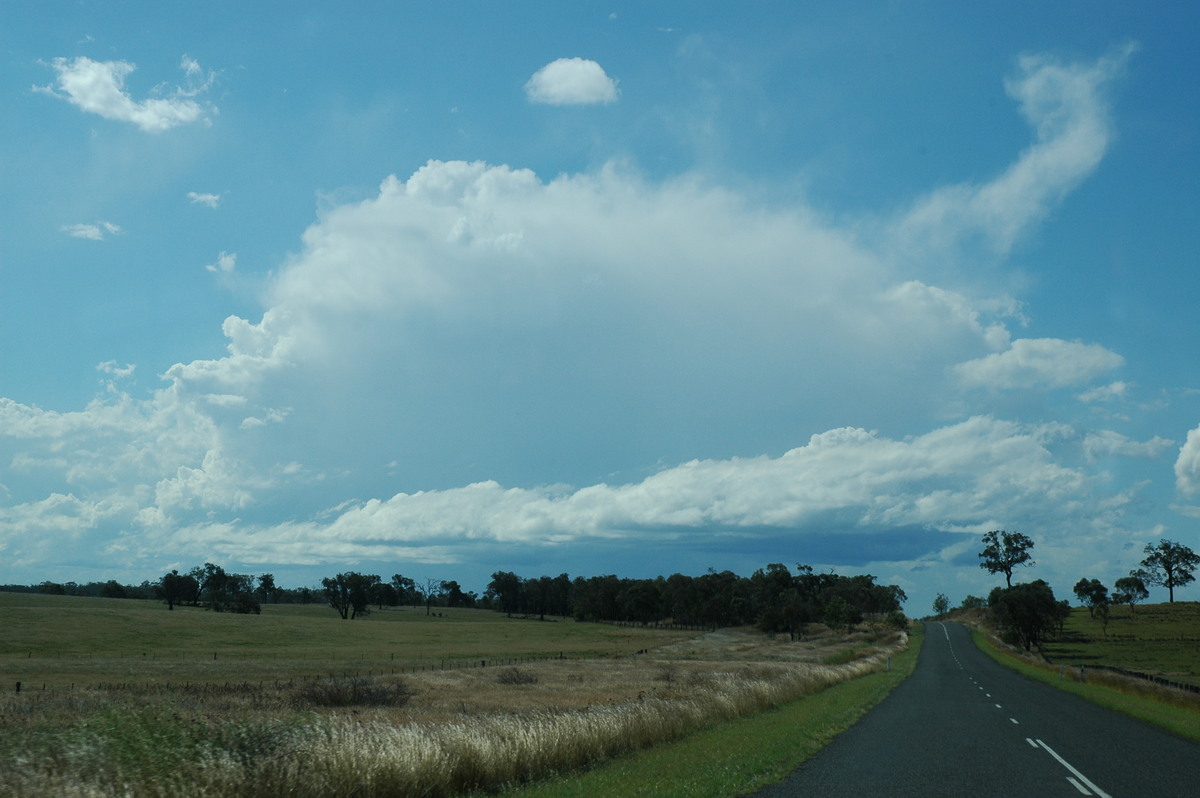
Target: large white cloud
x=98 y=87
x=571 y=81
x=475 y=325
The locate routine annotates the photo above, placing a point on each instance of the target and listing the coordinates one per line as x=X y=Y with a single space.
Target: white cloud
x=1038 y=363
x=1187 y=465
x=1067 y=107
x=1106 y=393
x=92 y=232
x=965 y=478
x=98 y=87
x=1103 y=443
x=475 y=325
x=209 y=200
x=571 y=81
x=226 y=264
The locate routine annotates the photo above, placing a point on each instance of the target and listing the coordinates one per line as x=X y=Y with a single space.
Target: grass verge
x=1173 y=710
x=740 y=756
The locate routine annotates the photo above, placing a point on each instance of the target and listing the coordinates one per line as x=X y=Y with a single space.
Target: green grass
x=68 y=640
x=1160 y=639
x=1174 y=711
x=740 y=756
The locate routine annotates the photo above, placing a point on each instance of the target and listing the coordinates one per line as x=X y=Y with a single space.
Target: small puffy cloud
x=571 y=81
x=92 y=232
x=98 y=87
x=1038 y=363
x=111 y=367
x=1187 y=465
x=210 y=200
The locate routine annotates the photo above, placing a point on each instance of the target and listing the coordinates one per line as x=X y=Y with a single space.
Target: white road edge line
x=1084 y=779
x=1031 y=742
x=1078 y=786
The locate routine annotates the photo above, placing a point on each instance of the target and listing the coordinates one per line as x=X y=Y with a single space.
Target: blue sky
x=442 y=289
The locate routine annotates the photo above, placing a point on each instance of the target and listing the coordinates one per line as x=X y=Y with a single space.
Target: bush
x=354 y=691
x=515 y=675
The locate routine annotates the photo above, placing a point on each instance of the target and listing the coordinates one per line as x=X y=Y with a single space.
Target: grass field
x=1158 y=639
x=60 y=641
x=140 y=701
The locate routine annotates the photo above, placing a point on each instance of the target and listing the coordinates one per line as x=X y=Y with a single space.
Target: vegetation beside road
x=1175 y=710
x=741 y=756
x=142 y=701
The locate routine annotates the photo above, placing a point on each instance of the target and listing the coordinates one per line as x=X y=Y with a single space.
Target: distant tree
x=1169 y=564
x=433 y=593
x=1092 y=594
x=406 y=590
x=267 y=589
x=176 y=588
x=941 y=604
x=973 y=603
x=841 y=614
x=505 y=588
x=349 y=593
x=113 y=589
x=1003 y=551
x=384 y=594
x=1028 y=611
x=1130 y=590
x=455 y=597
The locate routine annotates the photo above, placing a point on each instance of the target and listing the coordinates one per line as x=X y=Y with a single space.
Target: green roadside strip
x=1181 y=720
x=740 y=756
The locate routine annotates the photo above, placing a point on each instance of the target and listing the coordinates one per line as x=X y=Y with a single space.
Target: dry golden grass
x=452 y=731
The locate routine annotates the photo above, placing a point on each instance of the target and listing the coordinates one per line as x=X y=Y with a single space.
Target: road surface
x=963 y=725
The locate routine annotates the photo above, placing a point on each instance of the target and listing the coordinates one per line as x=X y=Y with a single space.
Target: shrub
x=354 y=691
x=515 y=675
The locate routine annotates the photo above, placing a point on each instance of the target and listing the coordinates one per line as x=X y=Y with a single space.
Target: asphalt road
x=963 y=725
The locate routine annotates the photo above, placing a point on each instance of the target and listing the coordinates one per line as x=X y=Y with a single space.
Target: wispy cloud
x=98 y=87
x=209 y=200
x=93 y=232
x=571 y=81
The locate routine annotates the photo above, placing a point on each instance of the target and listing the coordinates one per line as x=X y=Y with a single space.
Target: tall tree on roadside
x=1003 y=551
x=1169 y=564
x=941 y=604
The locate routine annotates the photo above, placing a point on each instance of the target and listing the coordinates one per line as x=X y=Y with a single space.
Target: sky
x=632 y=288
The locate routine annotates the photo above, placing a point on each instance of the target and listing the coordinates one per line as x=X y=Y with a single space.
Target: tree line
x=774 y=598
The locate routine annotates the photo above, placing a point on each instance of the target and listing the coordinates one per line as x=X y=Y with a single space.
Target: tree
x=1028 y=611
x=972 y=603
x=349 y=593
x=1169 y=564
x=1092 y=594
x=941 y=604
x=176 y=588
x=267 y=588
x=841 y=614
x=406 y=590
x=1131 y=589
x=1004 y=551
